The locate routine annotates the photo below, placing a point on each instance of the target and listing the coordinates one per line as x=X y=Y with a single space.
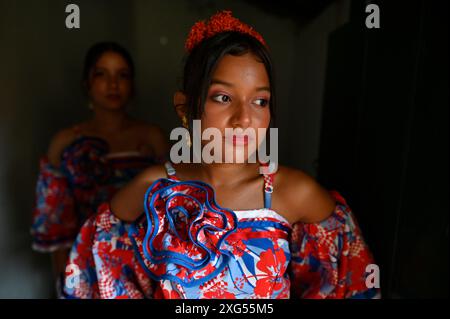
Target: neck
x=108 y=121
x=228 y=174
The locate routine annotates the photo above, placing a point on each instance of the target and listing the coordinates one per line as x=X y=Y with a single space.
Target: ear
x=179 y=102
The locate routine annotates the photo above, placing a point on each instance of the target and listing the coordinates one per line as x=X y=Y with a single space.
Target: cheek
x=97 y=86
x=261 y=119
x=126 y=85
x=214 y=116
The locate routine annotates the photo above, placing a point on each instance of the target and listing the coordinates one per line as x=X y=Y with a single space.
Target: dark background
x=363 y=110
x=384 y=139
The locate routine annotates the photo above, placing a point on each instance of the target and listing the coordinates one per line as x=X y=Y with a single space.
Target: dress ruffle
x=185 y=235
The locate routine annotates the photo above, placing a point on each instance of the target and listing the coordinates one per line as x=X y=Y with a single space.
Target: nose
x=113 y=82
x=241 y=116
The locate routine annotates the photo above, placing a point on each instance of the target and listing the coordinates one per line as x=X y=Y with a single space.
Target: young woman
x=87 y=163
x=222 y=230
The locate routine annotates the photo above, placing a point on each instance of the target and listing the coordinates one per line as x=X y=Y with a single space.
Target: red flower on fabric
x=239 y=248
x=273 y=264
x=220 y=22
x=218 y=291
x=163 y=293
x=84 y=242
x=236 y=243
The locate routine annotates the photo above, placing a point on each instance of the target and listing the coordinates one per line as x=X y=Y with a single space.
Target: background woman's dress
x=67 y=195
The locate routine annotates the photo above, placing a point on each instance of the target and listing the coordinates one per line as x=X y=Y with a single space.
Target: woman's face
x=110 y=82
x=238 y=98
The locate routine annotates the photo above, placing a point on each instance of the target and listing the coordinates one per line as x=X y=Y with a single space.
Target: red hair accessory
x=220 y=22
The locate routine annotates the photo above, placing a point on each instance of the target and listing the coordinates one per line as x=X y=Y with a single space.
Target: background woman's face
x=238 y=97
x=110 y=82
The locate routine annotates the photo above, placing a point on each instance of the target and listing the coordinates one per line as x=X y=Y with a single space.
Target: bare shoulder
x=152 y=173
x=157 y=137
x=153 y=136
x=147 y=128
x=300 y=197
x=58 y=143
x=128 y=203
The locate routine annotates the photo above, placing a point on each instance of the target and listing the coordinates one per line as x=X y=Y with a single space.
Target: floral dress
x=67 y=195
x=187 y=246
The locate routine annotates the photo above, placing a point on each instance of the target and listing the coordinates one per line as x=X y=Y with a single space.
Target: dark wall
x=384 y=139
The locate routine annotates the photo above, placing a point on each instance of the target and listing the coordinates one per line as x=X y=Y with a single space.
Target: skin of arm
x=61 y=140
x=128 y=203
x=158 y=140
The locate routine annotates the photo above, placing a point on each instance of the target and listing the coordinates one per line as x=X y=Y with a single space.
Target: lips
x=114 y=97
x=240 y=140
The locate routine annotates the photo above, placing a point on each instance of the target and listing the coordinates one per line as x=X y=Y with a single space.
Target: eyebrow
x=100 y=68
x=217 y=81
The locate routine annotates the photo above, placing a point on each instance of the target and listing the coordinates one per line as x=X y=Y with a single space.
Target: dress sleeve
x=329 y=258
x=54 y=221
x=102 y=263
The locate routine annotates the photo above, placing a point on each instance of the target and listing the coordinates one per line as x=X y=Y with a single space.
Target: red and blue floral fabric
x=186 y=246
x=66 y=196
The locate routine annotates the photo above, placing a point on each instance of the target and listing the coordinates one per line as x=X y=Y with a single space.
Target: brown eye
x=262 y=102
x=221 y=98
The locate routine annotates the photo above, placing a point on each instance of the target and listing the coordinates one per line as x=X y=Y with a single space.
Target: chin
x=113 y=106
x=239 y=155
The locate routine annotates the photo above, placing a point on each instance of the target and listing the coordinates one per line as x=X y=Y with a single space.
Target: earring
x=186 y=126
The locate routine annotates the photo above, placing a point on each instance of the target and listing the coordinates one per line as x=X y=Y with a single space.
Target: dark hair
x=204 y=58
x=97 y=50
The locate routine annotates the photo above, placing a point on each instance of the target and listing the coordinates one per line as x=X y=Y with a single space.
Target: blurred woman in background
x=88 y=162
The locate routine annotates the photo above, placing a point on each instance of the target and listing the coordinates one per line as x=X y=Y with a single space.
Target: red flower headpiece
x=220 y=22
